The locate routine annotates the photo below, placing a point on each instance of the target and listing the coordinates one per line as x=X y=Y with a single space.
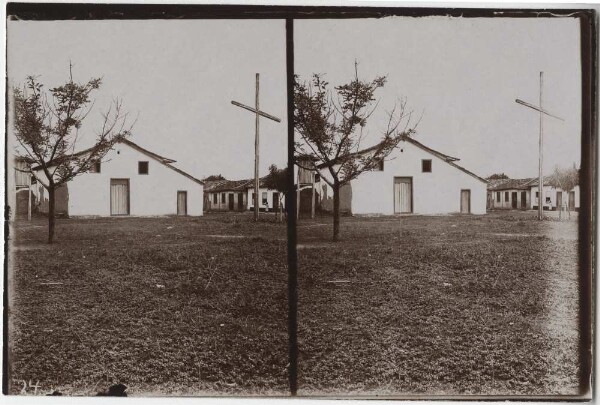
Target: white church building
x=413 y=179
x=130 y=180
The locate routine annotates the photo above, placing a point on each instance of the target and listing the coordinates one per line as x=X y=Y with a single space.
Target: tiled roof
x=215 y=186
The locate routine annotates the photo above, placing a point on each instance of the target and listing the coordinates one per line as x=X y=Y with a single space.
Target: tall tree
x=277 y=180
x=214 y=177
x=331 y=125
x=498 y=176
x=47 y=128
x=565 y=179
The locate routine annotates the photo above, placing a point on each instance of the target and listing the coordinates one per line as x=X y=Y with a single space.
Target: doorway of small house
x=231 y=202
x=559 y=200
x=403 y=201
x=465 y=201
x=240 y=201
x=571 y=200
x=275 y=202
x=182 y=203
x=524 y=200
x=513 y=198
x=119 y=196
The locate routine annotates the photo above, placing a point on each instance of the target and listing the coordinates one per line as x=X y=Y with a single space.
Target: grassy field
x=438 y=305
x=162 y=305
x=401 y=306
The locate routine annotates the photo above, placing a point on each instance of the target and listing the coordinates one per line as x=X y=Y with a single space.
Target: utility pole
x=541 y=145
x=258 y=114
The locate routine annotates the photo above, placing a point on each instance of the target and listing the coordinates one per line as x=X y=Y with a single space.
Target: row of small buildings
x=523 y=194
x=415 y=179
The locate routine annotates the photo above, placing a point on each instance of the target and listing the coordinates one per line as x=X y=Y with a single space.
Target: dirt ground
x=166 y=306
x=426 y=305
x=410 y=305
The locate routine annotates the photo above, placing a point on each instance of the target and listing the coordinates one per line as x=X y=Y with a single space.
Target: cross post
x=258 y=114
x=541 y=145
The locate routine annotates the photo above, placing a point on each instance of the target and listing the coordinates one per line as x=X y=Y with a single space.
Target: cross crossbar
x=537 y=109
x=262 y=114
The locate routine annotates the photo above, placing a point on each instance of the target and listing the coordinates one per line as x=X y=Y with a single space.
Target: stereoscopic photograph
x=324 y=202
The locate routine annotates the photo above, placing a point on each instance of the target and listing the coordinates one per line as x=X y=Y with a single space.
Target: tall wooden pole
x=256 y=142
x=29 y=201
x=541 y=179
x=312 y=203
x=298 y=195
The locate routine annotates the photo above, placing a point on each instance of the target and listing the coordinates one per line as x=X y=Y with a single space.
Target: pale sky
x=464 y=74
x=179 y=76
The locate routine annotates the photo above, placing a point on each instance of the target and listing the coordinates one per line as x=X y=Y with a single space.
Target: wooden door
x=514 y=200
x=403 y=195
x=119 y=196
x=524 y=199
x=231 y=202
x=182 y=203
x=275 y=202
x=241 y=201
x=558 y=200
x=465 y=201
x=571 y=200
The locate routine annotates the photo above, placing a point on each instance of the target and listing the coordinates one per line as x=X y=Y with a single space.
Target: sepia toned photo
x=443 y=270
x=140 y=263
x=289 y=201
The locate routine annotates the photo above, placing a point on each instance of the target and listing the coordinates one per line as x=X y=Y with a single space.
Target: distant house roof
x=517 y=184
x=446 y=158
x=509 y=184
x=231 y=185
x=161 y=159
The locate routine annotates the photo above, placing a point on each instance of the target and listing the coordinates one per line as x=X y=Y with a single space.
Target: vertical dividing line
x=587 y=203
x=291 y=217
x=256 y=151
x=541 y=199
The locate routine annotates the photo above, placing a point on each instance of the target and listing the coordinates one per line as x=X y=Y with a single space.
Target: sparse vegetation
x=163 y=305
x=438 y=305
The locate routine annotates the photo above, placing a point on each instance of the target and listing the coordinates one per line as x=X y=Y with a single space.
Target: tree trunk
x=51 y=216
x=336 y=212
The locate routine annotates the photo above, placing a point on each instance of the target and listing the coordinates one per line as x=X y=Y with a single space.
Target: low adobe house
x=130 y=180
x=523 y=194
x=238 y=195
x=413 y=179
x=510 y=194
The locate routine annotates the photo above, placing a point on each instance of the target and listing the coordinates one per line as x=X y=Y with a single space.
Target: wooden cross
x=258 y=114
x=541 y=144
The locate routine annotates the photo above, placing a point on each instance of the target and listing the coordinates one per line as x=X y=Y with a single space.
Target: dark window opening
x=506 y=196
x=223 y=197
x=215 y=198
x=426 y=165
x=317 y=177
x=497 y=196
x=142 y=167
x=95 y=167
x=264 y=199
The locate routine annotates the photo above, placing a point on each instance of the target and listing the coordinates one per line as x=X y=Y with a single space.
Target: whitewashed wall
x=154 y=193
x=551 y=192
x=506 y=203
x=269 y=205
x=437 y=192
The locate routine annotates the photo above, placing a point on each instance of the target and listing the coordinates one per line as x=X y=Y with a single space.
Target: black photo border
x=588 y=179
